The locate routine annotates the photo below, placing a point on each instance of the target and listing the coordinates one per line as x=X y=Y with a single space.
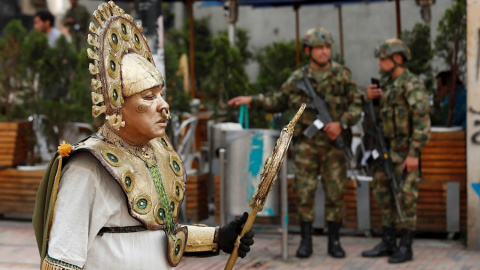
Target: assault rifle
x=323 y=117
x=381 y=151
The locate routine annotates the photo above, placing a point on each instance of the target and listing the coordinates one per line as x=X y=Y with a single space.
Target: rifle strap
x=307 y=82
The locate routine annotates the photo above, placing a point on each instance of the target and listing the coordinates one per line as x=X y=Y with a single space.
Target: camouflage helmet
x=392 y=46
x=317 y=37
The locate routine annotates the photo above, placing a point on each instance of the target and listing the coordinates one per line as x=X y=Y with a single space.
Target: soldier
x=404 y=112
x=319 y=154
x=77 y=20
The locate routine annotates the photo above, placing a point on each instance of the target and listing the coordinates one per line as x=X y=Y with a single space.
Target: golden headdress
x=123 y=64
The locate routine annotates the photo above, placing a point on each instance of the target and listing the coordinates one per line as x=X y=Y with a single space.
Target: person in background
x=404 y=112
x=44 y=22
x=76 y=20
x=441 y=113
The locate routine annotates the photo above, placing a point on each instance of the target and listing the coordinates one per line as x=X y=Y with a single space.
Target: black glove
x=228 y=235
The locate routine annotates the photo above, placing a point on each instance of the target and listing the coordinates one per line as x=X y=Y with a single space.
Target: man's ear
x=398 y=58
x=306 y=49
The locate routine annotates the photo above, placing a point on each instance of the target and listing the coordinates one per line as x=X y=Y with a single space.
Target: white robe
x=89 y=199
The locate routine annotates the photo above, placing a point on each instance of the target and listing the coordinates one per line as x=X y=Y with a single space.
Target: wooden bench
x=18 y=190
x=15 y=140
x=443 y=163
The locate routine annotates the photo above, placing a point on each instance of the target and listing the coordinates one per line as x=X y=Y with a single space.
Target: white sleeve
x=81 y=209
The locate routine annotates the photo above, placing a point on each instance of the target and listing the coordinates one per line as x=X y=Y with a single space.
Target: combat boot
x=404 y=252
x=305 y=249
x=386 y=247
x=334 y=248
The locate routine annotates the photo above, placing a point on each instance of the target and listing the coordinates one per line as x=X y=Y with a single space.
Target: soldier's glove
x=228 y=235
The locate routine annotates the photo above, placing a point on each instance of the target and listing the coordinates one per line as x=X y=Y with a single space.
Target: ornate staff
x=269 y=176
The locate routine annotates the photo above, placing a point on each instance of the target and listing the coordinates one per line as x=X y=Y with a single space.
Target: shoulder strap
x=308 y=89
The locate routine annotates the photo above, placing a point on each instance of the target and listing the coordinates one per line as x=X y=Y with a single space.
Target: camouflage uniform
x=318 y=155
x=404 y=112
x=405 y=118
x=78 y=31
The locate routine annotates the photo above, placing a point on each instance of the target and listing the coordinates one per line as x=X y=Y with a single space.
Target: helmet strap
x=395 y=65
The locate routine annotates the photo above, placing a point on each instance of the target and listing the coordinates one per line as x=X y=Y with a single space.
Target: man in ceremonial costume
x=112 y=200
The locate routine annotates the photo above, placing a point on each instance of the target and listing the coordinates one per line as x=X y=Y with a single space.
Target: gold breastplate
x=154 y=190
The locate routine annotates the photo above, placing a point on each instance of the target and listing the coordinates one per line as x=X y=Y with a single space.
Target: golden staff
x=269 y=176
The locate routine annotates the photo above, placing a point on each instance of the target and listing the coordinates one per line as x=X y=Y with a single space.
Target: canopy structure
x=277 y=3
x=296 y=4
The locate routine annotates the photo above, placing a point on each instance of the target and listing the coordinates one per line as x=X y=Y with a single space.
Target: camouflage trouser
x=313 y=158
x=407 y=197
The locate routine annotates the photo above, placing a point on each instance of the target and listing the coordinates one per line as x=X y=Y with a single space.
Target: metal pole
x=192 y=48
x=231 y=7
x=340 y=26
x=221 y=153
x=231 y=34
x=284 y=206
x=399 y=21
x=297 y=35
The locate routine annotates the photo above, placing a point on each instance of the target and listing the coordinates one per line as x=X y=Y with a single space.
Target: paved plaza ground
x=18 y=250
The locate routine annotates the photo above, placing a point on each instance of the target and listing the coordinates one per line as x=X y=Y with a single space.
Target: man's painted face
x=143 y=115
x=39 y=25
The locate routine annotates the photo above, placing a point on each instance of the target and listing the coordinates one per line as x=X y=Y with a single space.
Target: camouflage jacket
x=81 y=17
x=335 y=85
x=404 y=111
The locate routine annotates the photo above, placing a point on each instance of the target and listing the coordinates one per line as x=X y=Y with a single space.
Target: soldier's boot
x=386 y=247
x=305 y=249
x=404 y=252
x=334 y=248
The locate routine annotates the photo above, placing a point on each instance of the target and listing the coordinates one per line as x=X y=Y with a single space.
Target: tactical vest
x=395 y=112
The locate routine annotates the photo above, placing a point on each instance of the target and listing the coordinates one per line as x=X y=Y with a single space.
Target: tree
x=418 y=40
x=10 y=66
x=226 y=78
x=180 y=40
x=219 y=68
x=277 y=63
x=39 y=79
x=177 y=97
x=450 y=45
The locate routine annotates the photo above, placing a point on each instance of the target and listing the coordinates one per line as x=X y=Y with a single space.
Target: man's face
x=73 y=3
x=143 y=116
x=386 y=64
x=321 y=53
x=39 y=25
